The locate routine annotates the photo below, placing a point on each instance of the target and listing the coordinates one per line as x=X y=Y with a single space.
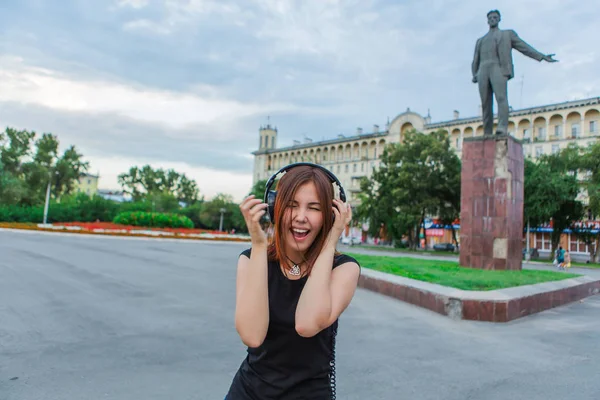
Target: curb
x=120 y=234
x=502 y=305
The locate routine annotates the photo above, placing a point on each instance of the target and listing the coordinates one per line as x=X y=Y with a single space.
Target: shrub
x=153 y=220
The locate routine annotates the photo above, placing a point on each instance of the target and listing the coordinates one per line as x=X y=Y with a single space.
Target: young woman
x=290 y=292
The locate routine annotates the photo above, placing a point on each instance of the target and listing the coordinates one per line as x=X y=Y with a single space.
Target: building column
x=582 y=126
x=565 y=135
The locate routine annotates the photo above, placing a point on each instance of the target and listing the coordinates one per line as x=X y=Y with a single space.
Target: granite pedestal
x=491 y=212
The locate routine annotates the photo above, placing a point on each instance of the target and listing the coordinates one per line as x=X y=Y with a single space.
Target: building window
x=539 y=150
x=338 y=169
x=593 y=126
x=527 y=134
x=89 y=181
x=272 y=142
x=558 y=131
x=354 y=168
x=362 y=167
x=542 y=241
x=555 y=148
x=541 y=133
x=324 y=157
x=575 y=130
x=577 y=246
x=346 y=169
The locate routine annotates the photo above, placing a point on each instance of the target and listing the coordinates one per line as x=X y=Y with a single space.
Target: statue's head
x=493 y=18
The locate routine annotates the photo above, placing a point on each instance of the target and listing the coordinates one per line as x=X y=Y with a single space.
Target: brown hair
x=286 y=191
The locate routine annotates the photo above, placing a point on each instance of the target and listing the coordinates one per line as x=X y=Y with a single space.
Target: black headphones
x=270 y=195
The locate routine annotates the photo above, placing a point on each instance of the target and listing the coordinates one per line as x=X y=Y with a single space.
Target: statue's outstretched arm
x=524 y=48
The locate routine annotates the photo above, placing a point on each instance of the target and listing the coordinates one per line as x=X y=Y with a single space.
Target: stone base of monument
x=491 y=213
x=492 y=306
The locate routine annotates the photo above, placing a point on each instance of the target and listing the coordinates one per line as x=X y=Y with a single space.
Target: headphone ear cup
x=271 y=195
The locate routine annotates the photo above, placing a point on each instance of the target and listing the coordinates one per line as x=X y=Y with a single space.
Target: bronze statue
x=492 y=68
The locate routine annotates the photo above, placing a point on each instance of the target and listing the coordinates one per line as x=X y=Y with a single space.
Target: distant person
x=567 y=262
x=290 y=290
x=560 y=258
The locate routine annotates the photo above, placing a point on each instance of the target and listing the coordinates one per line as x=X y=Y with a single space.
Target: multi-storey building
x=88 y=184
x=543 y=130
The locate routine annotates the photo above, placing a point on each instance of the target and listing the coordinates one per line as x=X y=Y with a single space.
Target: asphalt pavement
x=89 y=317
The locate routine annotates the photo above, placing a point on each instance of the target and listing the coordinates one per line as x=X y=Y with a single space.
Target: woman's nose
x=300 y=214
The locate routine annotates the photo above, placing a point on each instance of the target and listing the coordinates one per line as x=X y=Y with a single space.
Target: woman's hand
x=343 y=216
x=252 y=210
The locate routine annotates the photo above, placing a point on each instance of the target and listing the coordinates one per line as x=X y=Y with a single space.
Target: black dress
x=288 y=366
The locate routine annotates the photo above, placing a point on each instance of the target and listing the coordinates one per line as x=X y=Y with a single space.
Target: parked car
x=443 y=247
x=351 y=240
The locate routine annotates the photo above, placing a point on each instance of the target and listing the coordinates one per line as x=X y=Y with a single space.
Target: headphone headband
x=270 y=195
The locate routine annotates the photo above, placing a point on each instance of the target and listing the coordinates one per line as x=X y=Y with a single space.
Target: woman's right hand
x=252 y=210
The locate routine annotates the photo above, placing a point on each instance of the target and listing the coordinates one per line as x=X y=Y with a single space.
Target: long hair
x=286 y=191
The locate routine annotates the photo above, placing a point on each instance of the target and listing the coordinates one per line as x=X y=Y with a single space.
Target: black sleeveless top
x=287 y=366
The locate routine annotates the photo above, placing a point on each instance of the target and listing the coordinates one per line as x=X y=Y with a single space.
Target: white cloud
x=137 y=4
x=147 y=26
x=210 y=181
x=30 y=85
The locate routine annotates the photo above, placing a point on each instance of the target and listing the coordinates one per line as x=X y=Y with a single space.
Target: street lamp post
x=47 y=204
x=222 y=211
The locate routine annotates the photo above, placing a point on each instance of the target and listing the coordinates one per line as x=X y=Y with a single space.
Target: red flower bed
x=109 y=225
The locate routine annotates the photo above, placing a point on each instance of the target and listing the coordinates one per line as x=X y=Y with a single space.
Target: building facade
x=543 y=130
x=87 y=184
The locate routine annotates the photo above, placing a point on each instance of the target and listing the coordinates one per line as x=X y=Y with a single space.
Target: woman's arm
x=252 y=294
x=252 y=297
x=326 y=295
x=328 y=291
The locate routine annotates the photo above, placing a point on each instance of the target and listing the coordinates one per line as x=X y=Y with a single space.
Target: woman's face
x=302 y=221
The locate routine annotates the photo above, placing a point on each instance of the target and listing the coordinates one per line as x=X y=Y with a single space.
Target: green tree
x=415 y=179
x=35 y=167
x=258 y=189
x=590 y=168
x=12 y=190
x=14 y=146
x=141 y=182
x=232 y=217
x=551 y=195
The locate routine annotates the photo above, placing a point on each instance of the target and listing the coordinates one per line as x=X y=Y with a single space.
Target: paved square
x=109 y=318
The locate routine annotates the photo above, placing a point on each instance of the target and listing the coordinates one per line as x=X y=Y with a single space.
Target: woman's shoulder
x=342 y=258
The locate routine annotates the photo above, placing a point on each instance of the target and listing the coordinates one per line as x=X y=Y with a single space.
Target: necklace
x=295 y=269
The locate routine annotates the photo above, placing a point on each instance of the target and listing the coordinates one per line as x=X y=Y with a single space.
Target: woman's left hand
x=343 y=216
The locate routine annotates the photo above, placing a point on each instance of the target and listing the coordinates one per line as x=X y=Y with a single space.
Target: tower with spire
x=268 y=136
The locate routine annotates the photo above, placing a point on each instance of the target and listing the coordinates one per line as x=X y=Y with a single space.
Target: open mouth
x=300 y=234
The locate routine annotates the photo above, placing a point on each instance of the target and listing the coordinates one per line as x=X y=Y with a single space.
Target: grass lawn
x=409 y=251
x=449 y=273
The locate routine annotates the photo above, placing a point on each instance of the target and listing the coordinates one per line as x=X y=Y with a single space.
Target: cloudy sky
x=186 y=84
